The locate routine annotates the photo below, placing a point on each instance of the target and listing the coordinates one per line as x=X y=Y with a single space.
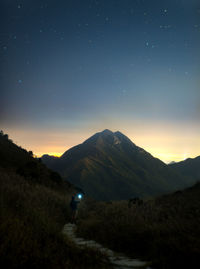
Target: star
x=19 y=81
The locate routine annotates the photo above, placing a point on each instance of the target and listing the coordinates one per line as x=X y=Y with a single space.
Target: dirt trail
x=118 y=261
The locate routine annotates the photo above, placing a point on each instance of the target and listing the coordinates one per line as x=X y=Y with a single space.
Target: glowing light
x=79 y=196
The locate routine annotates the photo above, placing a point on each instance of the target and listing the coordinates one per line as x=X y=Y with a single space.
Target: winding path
x=118 y=261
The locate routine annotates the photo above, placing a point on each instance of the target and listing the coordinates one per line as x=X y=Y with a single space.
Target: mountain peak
x=107 y=137
x=108 y=165
x=107 y=131
x=104 y=138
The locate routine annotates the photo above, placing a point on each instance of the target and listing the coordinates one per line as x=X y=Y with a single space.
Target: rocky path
x=118 y=261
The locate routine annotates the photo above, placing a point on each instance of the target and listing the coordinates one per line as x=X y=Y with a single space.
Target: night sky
x=70 y=68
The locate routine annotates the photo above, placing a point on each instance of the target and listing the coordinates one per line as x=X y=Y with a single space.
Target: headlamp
x=80 y=196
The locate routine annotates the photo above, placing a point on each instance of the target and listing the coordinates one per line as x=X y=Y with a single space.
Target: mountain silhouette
x=109 y=166
x=189 y=167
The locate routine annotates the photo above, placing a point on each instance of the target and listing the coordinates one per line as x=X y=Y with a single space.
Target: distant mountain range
x=109 y=166
x=189 y=167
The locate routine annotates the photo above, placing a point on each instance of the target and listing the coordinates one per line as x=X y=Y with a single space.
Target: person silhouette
x=74 y=207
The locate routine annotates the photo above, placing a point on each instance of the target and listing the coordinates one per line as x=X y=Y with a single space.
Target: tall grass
x=32 y=217
x=165 y=230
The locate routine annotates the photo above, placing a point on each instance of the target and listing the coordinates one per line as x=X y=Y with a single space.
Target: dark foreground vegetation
x=165 y=231
x=33 y=209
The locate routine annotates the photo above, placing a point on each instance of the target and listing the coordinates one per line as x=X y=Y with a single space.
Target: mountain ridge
x=189 y=167
x=109 y=166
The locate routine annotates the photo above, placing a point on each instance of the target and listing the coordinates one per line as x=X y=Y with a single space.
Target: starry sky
x=70 y=68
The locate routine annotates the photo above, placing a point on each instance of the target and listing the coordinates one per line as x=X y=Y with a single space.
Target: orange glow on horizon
x=164 y=140
x=55 y=154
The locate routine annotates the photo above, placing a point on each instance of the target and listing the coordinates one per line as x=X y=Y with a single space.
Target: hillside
x=189 y=167
x=164 y=230
x=109 y=166
x=15 y=159
x=34 y=207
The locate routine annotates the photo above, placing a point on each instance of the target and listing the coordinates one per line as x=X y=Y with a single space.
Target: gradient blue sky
x=70 y=68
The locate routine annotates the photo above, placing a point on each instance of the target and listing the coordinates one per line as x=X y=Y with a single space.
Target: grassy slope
x=105 y=170
x=112 y=175
x=165 y=230
x=33 y=209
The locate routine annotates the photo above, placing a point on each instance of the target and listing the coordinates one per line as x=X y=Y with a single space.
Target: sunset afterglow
x=164 y=141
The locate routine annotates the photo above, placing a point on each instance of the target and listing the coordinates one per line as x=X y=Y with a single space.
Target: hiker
x=74 y=207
